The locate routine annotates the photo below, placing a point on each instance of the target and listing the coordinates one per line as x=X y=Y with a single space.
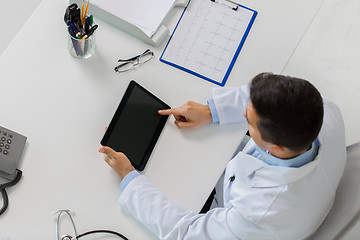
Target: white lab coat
x=263 y=201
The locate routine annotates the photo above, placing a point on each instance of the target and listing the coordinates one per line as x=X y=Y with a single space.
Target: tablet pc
x=136 y=125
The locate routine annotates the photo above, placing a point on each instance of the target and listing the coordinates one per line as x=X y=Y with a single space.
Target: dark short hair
x=290 y=110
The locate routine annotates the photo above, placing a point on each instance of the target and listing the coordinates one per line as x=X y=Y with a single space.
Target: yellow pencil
x=82 y=13
x=87 y=6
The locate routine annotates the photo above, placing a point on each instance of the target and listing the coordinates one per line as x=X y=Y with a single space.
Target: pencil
x=87 y=6
x=82 y=11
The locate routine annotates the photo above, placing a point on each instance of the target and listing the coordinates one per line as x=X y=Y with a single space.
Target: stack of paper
x=144 y=14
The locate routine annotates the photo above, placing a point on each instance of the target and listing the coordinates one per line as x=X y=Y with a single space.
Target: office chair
x=345 y=211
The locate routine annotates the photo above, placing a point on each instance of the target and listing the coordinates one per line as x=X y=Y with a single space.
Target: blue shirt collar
x=295 y=162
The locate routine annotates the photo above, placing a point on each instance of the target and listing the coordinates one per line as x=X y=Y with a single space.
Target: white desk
x=17 y=16
x=62 y=105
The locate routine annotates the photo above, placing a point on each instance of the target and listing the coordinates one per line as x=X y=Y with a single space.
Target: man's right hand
x=191 y=115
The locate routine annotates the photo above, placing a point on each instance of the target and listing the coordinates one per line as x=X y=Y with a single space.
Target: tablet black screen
x=136 y=125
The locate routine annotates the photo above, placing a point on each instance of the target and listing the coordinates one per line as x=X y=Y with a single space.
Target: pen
x=89 y=35
x=92 y=30
x=91 y=20
x=87 y=25
x=76 y=44
x=79 y=27
x=74 y=29
x=72 y=33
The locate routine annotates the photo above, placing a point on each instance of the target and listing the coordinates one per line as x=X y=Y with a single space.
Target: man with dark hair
x=281 y=185
x=275 y=99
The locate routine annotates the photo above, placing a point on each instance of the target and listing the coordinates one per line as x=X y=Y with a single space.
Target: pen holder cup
x=82 y=48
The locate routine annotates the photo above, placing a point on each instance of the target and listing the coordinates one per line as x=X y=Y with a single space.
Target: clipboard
x=208 y=38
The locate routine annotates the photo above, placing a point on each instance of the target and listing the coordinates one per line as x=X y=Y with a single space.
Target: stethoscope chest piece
x=66 y=237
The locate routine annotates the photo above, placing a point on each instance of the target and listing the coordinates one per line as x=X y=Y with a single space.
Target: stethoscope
x=68 y=237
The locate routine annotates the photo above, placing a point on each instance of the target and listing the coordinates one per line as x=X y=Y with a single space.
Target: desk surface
x=17 y=16
x=62 y=105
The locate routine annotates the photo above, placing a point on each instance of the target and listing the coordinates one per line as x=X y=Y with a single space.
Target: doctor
x=280 y=186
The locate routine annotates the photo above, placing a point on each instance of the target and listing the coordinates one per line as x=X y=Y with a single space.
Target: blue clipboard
x=187 y=34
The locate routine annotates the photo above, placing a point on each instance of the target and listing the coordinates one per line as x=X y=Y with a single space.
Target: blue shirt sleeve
x=128 y=178
x=213 y=110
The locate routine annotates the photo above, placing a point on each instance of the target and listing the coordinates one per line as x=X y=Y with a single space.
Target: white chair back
x=346 y=209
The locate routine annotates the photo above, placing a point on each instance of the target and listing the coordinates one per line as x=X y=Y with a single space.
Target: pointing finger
x=174 y=111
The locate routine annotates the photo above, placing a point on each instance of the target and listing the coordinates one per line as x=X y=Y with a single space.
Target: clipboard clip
x=233 y=8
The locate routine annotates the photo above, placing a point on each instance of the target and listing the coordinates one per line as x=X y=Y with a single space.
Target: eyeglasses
x=132 y=62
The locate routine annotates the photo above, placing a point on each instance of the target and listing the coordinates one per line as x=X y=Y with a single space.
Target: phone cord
x=3 y=191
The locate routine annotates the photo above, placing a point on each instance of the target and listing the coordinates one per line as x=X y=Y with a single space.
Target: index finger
x=172 y=111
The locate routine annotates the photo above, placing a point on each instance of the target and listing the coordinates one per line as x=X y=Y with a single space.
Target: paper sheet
x=145 y=14
x=207 y=38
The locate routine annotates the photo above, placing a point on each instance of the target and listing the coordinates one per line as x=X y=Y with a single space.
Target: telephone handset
x=11 y=147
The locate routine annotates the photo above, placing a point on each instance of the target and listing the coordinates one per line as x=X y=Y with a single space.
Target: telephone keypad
x=11 y=148
x=5 y=139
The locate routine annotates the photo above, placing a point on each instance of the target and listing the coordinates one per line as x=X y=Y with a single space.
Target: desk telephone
x=11 y=147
